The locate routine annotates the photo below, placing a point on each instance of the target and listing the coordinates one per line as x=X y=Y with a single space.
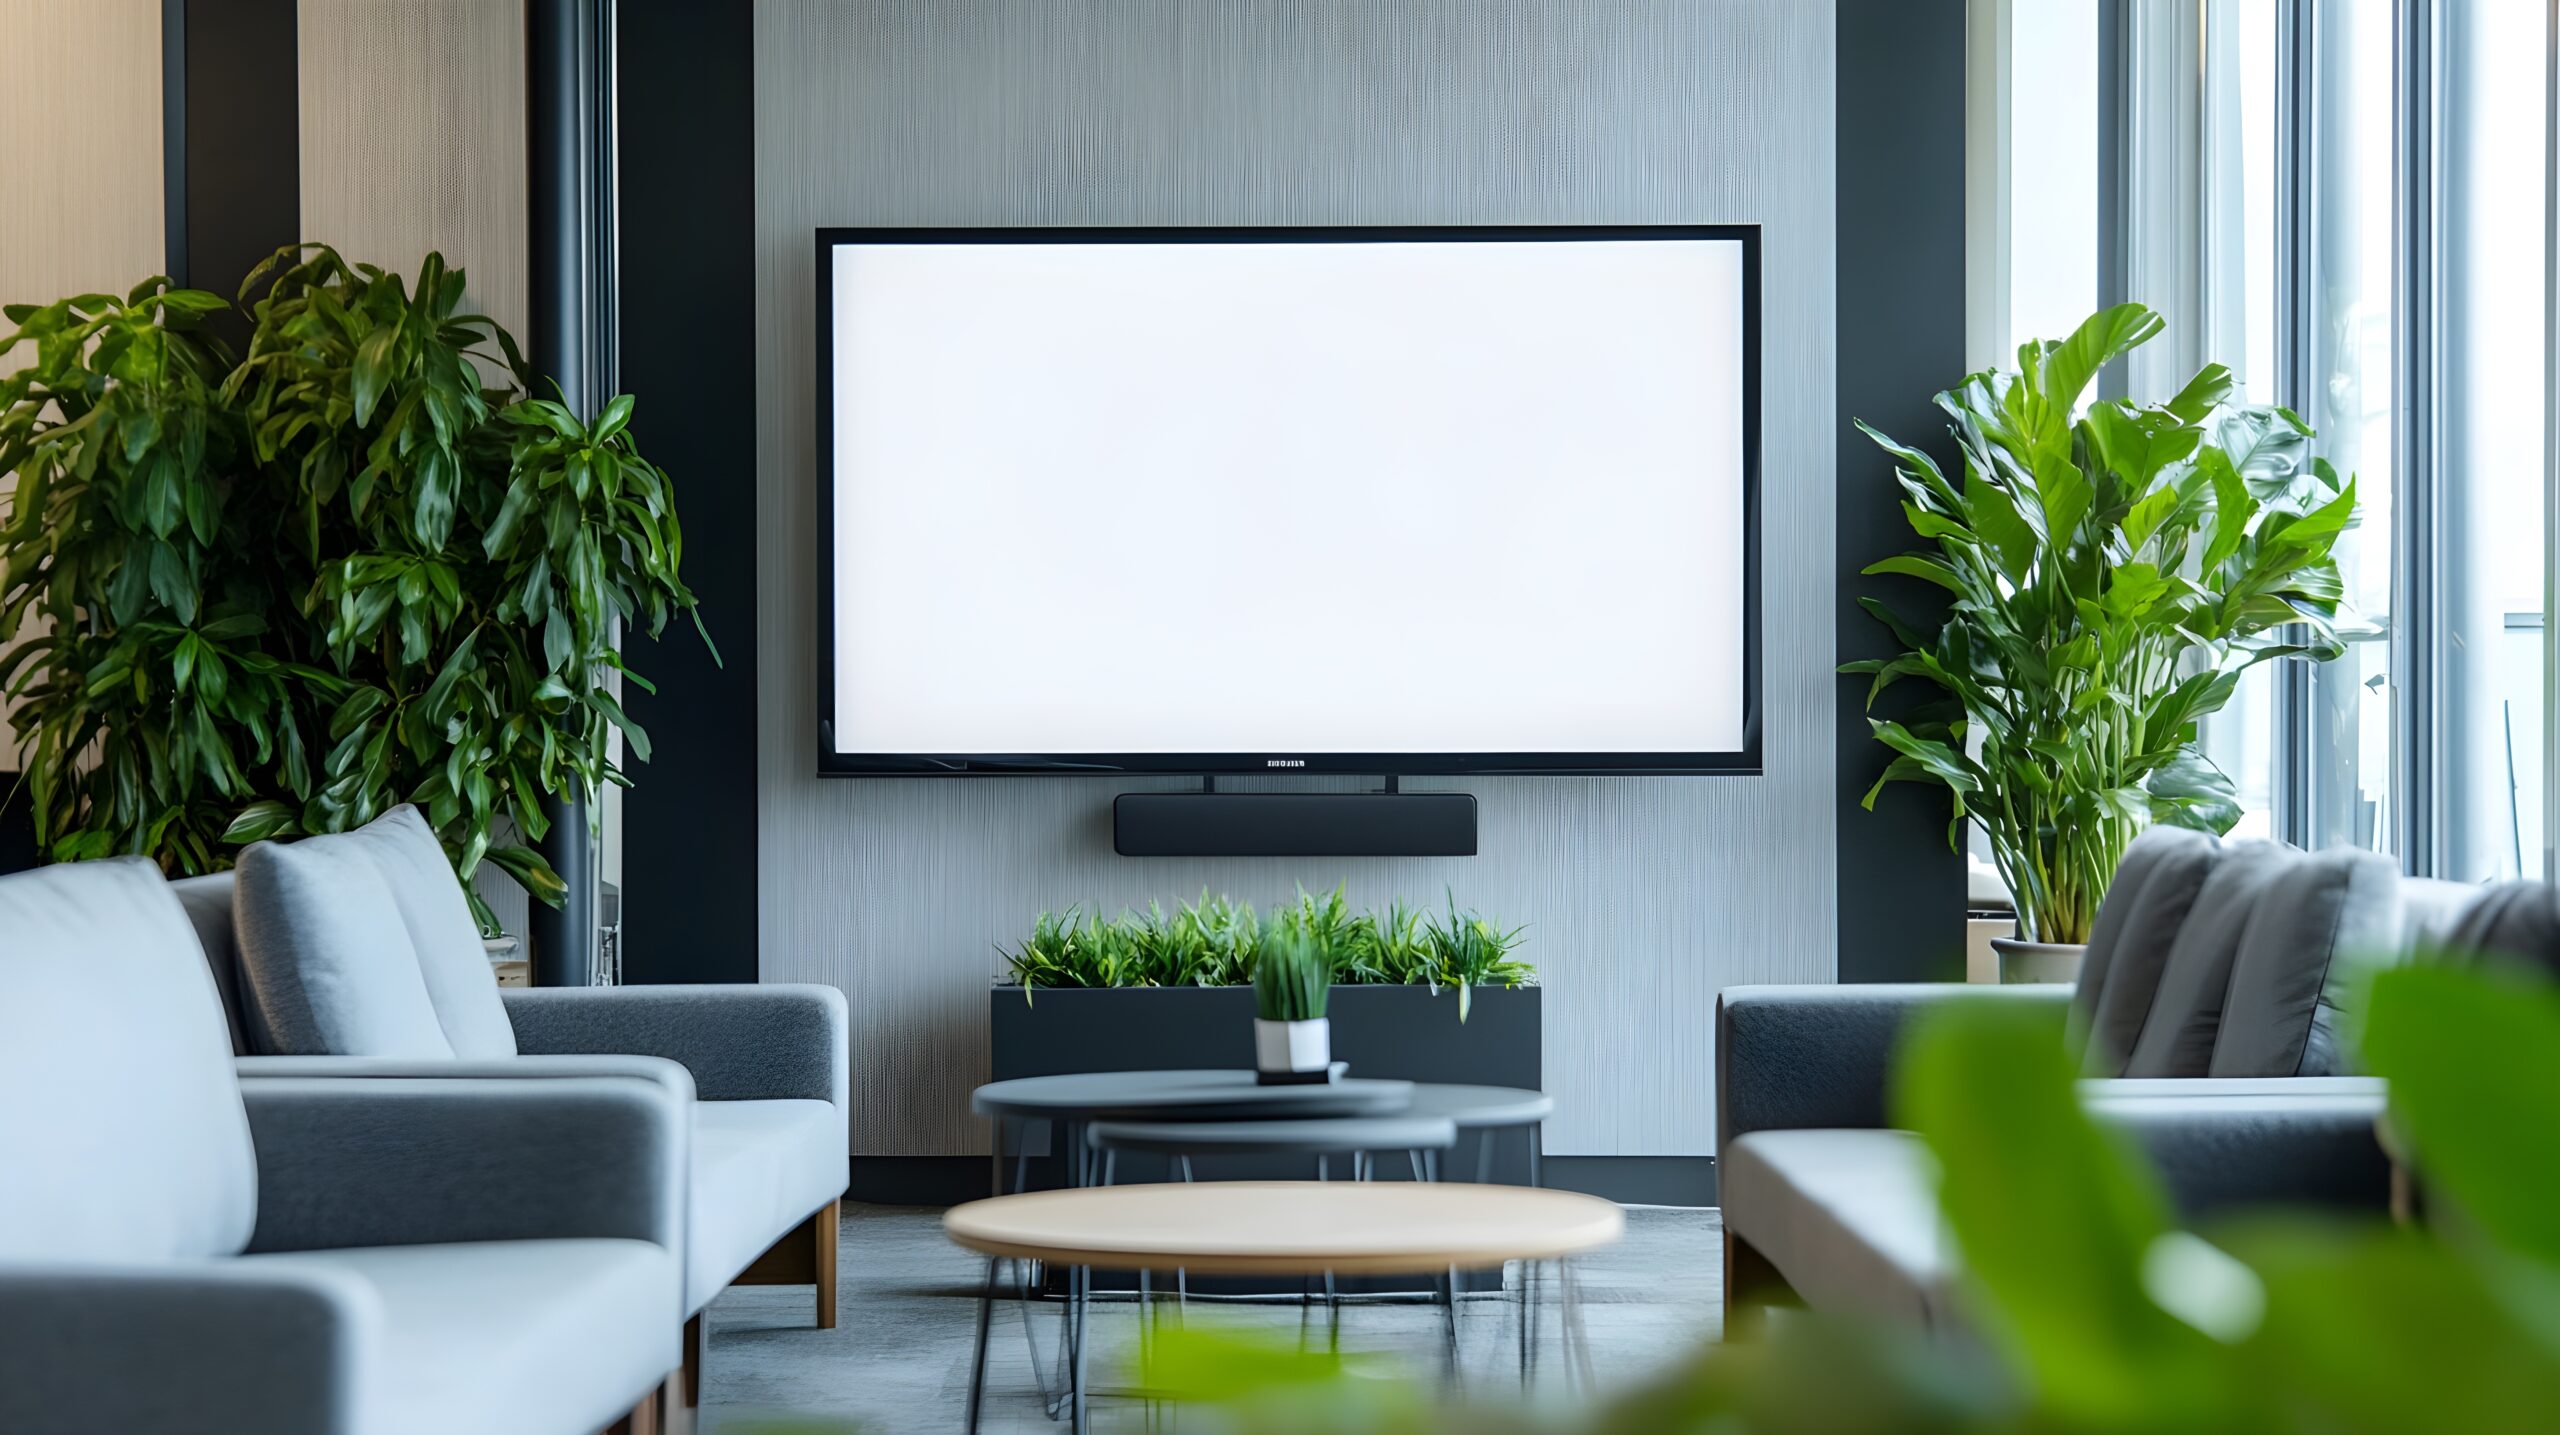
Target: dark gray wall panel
x=1644 y=897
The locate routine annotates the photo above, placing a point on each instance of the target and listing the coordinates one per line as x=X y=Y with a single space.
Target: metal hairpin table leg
x=978 y=1363
x=1577 y=1340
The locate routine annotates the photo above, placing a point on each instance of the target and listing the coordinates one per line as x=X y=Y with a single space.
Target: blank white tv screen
x=1474 y=502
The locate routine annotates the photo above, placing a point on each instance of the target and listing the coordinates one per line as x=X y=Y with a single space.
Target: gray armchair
x=764 y=1068
x=181 y=1250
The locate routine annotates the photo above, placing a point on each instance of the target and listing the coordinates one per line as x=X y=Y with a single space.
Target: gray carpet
x=899 y=1357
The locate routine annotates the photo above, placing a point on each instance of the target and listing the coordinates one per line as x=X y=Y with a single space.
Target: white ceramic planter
x=2038 y=961
x=1292 y=1045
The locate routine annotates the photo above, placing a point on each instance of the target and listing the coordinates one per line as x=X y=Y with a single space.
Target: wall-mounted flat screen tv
x=1399 y=501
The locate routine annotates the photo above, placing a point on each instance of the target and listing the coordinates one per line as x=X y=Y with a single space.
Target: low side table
x=1285 y=1228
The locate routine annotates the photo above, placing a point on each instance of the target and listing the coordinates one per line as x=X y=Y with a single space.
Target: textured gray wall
x=1643 y=896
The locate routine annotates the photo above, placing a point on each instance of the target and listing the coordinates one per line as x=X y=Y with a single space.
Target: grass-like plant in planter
x=1216 y=941
x=285 y=590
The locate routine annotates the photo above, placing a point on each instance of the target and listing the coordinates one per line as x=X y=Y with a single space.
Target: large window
x=2348 y=202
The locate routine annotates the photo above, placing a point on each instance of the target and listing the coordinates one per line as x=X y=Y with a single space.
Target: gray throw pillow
x=326 y=958
x=404 y=849
x=2129 y=944
x=2186 y=1011
x=2321 y=923
x=2510 y=922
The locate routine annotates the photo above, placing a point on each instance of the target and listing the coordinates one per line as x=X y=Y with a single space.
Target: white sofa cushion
x=122 y=1136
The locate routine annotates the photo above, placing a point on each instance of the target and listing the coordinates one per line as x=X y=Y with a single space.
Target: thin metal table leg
x=1484 y=1156
x=1082 y=1284
x=978 y=1363
x=1577 y=1341
x=1537 y=1148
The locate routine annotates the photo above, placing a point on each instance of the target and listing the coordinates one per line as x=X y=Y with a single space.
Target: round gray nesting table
x=1485 y=1110
x=1071 y=1101
x=1354 y=1136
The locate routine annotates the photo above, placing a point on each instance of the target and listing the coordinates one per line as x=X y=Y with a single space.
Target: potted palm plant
x=2110 y=572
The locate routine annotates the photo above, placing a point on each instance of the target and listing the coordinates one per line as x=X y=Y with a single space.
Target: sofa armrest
x=202 y=1346
x=420 y=1162
x=656 y=1070
x=742 y=1043
x=2223 y=1152
x=1799 y=1057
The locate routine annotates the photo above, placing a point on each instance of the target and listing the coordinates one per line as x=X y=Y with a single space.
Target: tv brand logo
x=1284 y=762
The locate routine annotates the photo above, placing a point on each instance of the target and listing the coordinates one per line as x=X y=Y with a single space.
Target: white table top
x=1288 y=1227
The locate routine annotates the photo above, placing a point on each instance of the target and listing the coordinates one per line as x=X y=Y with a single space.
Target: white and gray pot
x=1292 y=1046
x=2038 y=961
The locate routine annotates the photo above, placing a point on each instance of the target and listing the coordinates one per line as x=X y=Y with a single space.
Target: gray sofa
x=2210 y=1019
x=182 y=1250
x=763 y=1070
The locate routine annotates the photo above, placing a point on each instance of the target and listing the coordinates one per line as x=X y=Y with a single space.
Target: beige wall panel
x=413 y=138
x=80 y=178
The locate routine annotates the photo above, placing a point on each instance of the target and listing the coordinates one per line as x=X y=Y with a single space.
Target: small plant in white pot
x=2109 y=572
x=1292 y=975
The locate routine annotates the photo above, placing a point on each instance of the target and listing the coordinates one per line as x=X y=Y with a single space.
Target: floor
x=899 y=1357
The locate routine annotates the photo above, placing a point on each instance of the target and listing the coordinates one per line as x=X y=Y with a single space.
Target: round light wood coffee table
x=1300 y=1228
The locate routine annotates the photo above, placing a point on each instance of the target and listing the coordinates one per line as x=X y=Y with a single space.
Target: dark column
x=569 y=167
x=688 y=286
x=232 y=140
x=1902 y=315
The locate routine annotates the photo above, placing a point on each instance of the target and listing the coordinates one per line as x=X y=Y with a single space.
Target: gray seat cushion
x=1850 y=1218
x=759 y=1169
x=505 y=1337
x=2186 y=1009
x=2321 y=923
x=2163 y=872
x=122 y=1136
x=328 y=963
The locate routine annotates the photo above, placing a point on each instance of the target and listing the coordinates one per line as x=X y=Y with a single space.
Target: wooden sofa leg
x=692 y=1374
x=1751 y=1285
x=642 y=1419
x=827 y=1222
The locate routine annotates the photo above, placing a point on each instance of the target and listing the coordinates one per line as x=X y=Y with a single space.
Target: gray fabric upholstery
x=2324 y=920
x=759 y=1169
x=656 y=1070
x=2431 y=908
x=742 y=1043
x=2516 y=923
x=421 y=1162
x=506 y=1337
x=207 y=901
x=499 y=1338
x=1792 y=1057
x=177 y=1349
x=2142 y=857
x=2178 y=1032
x=1850 y=1218
x=455 y=966
x=121 y=1133
x=2220 y=1152
x=328 y=963
x=2144 y=924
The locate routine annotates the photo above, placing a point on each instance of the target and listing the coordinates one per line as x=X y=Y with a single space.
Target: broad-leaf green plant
x=280 y=592
x=2110 y=571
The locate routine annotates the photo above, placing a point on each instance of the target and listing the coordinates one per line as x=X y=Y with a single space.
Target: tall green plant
x=2110 y=572
x=287 y=590
x=1292 y=976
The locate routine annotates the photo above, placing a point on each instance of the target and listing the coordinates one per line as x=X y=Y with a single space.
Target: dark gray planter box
x=1406 y=1033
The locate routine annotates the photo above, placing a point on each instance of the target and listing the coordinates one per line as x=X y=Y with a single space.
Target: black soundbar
x=1294 y=824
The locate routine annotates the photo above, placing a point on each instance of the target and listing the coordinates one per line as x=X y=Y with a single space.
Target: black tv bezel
x=1745 y=761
